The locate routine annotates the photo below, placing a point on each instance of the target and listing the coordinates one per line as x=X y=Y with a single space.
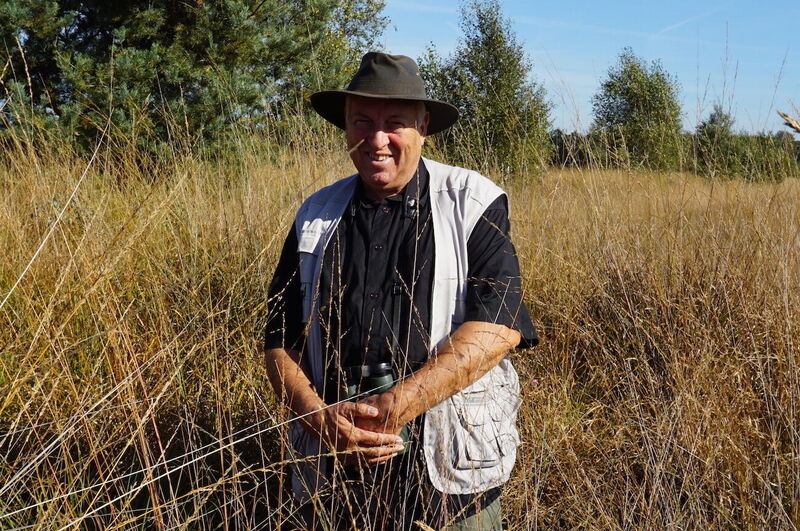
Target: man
x=402 y=271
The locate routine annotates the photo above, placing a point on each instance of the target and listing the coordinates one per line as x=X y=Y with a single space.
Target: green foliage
x=759 y=157
x=765 y=157
x=167 y=73
x=504 y=116
x=579 y=150
x=637 y=110
x=716 y=145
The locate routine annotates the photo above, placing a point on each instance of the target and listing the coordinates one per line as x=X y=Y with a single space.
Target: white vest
x=470 y=439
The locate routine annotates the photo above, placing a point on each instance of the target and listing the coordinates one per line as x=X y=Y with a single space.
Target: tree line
x=156 y=75
x=636 y=114
x=637 y=123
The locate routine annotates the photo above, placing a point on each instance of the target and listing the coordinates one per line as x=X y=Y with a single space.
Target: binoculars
x=368 y=380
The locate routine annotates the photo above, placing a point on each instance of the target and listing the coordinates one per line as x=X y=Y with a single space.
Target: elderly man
x=393 y=307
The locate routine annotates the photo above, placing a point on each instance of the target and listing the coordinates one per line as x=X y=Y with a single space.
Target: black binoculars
x=368 y=380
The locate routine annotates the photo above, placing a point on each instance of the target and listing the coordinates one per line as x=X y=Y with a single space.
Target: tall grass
x=132 y=392
x=668 y=387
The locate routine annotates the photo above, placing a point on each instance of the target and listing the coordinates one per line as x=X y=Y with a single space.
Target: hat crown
x=388 y=75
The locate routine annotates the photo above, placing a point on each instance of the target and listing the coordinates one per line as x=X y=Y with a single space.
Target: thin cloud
x=574 y=26
x=687 y=21
x=427 y=8
x=605 y=30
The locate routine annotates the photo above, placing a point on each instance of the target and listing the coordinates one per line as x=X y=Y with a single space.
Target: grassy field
x=665 y=393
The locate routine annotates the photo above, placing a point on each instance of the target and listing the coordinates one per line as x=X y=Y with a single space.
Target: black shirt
x=383 y=250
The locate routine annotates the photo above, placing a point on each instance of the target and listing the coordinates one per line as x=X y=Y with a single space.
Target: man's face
x=385 y=140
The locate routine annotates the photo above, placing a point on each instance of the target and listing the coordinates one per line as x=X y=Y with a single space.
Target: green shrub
x=637 y=114
x=756 y=157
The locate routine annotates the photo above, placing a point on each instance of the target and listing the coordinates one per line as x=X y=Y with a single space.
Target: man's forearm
x=471 y=351
x=292 y=385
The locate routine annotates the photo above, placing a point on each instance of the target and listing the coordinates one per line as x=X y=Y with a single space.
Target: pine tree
x=165 y=70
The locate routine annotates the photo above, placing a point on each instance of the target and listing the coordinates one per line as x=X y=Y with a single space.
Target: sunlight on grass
x=132 y=393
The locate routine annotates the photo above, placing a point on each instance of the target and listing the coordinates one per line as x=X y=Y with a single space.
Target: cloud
x=687 y=21
x=660 y=35
x=574 y=26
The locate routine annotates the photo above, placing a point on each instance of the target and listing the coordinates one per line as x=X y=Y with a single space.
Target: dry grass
x=668 y=384
x=790 y=122
x=665 y=393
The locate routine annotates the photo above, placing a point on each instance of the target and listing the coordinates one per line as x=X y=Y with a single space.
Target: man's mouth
x=377 y=158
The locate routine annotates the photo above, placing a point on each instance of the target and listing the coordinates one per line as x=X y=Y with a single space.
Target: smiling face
x=385 y=140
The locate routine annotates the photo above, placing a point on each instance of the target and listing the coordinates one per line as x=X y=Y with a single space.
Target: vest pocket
x=307 y=251
x=306 y=261
x=476 y=438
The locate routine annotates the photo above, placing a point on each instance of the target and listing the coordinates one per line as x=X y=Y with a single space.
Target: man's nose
x=377 y=138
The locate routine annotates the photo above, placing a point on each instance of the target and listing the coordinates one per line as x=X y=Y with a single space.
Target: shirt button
x=386 y=210
x=377 y=247
x=373 y=295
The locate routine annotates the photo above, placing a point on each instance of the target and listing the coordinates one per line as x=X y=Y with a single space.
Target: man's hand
x=342 y=428
x=336 y=424
x=386 y=418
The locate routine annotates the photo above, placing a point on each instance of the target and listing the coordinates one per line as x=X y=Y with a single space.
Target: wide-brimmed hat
x=386 y=77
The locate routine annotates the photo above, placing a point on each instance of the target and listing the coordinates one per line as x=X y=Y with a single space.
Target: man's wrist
x=312 y=417
x=316 y=426
x=406 y=397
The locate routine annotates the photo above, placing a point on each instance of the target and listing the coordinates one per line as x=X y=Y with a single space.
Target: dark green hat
x=386 y=77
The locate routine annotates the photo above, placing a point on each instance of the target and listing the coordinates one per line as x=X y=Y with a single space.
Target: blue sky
x=742 y=54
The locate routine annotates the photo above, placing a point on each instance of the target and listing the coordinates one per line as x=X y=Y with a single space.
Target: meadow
x=665 y=393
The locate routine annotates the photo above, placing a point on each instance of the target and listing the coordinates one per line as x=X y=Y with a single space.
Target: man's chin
x=376 y=181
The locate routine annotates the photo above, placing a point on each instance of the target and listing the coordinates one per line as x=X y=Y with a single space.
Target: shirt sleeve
x=494 y=286
x=284 y=327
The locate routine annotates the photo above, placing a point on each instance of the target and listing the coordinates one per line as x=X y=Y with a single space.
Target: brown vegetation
x=666 y=392
x=788 y=121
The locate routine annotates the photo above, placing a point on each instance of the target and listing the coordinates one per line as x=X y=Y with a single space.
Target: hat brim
x=330 y=105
